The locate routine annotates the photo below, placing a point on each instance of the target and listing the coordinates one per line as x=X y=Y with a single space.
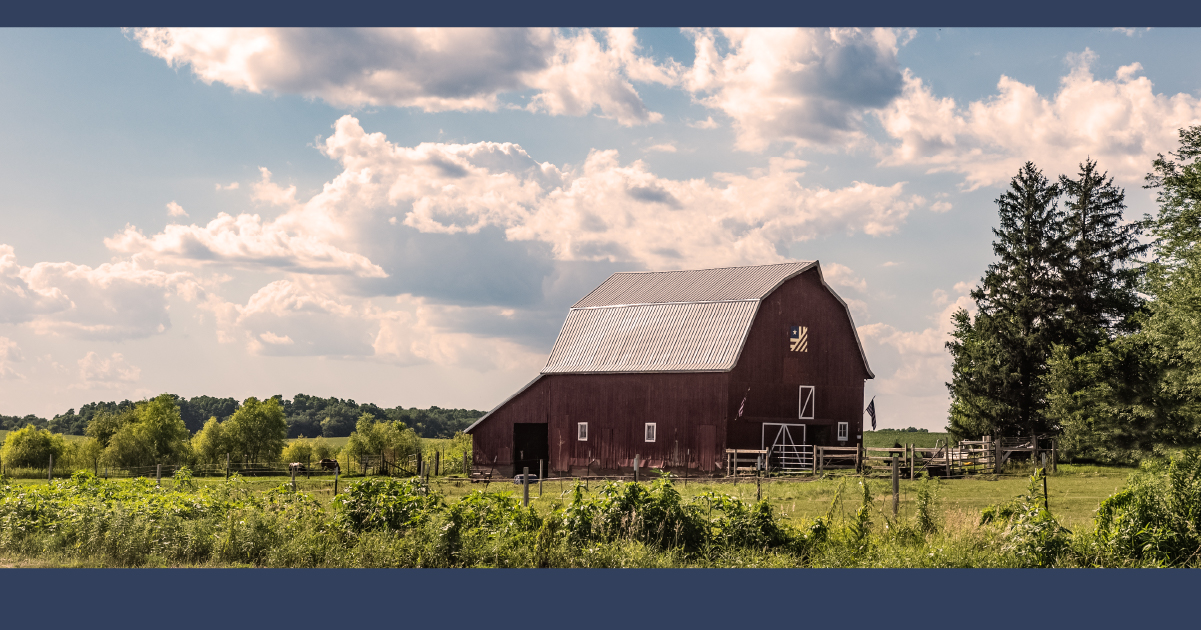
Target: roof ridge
x=790 y=262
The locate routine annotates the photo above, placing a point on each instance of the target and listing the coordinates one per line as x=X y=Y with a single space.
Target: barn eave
x=502 y=404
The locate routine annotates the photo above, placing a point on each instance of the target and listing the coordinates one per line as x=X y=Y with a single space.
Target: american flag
x=871 y=411
x=742 y=407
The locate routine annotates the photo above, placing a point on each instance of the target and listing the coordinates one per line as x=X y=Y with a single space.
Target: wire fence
x=345 y=464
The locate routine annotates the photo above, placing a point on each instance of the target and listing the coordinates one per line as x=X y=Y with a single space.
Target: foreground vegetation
x=387 y=522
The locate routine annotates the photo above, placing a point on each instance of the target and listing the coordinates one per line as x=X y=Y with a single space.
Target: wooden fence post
x=525 y=486
x=50 y=469
x=896 y=485
x=636 y=468
x=540 y=475
x=437 y=462
x=687 y=460
x=227 y=465
x=1046 y=500
x=158 y=475
x=337 y=469
x=293 y=469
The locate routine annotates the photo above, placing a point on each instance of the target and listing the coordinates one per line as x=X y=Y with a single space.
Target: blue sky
x=404 y=217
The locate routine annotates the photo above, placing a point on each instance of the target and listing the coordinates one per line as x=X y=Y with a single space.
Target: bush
x=31 y=447
x=1155 y=518
x=298 y=450
x=1030 y=533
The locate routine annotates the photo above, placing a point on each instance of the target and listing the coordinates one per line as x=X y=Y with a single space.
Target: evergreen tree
x=1102 y=273
x=1000 y=356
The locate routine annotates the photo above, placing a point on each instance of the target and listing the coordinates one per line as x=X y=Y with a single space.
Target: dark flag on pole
x=742 y=407
x=871 y=411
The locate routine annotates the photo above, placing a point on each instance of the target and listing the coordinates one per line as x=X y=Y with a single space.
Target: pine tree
x=1102 y=272
x=1000 y=356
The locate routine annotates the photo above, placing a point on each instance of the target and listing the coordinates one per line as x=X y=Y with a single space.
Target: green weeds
x=385 y=522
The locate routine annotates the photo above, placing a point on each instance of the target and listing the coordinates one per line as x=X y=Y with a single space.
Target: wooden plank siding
x=616 y=408
x=774 y=374
x=696 y=413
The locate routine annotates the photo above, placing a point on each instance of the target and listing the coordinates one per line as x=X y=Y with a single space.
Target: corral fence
x=944 y=459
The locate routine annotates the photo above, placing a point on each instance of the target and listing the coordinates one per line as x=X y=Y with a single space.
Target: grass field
x=870 y=438
x=887 y=437
x=4 y=433
x=339 y=442
x=1074 y=492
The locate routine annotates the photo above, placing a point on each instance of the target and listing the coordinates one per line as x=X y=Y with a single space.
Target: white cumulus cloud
x=601 y=210
x=112 y=371
x=798 y=86
x=1121 y=122
x=112 y=301
x=9 y=354
x=176 y=210
x=435 y=69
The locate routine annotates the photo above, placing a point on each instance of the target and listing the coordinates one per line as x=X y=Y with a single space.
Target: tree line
x=155 y=432
x=305 y=416
x=1086 y=326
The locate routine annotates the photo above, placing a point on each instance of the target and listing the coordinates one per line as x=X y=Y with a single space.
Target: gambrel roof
x=699 y=285
x=668 y=321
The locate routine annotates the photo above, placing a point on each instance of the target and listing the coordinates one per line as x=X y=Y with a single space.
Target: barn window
x=650 y=432
x=807 y=403
x=582 y=431
x=842 y=431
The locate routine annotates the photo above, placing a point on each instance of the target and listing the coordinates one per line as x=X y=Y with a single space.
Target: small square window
x=650 y=432
x=843 y=431
x=582 y=431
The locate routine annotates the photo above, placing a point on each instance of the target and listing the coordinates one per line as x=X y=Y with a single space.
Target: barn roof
x=699 y=285
x=670 y=337
x=669 y=321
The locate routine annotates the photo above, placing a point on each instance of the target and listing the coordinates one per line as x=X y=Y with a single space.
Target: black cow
x=329 y=464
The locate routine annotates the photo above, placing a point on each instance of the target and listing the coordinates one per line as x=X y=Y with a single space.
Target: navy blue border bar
x=564 y=13
x=713 y=598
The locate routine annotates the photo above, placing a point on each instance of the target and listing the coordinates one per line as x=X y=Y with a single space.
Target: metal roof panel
x=673 y=337
x=698 y=285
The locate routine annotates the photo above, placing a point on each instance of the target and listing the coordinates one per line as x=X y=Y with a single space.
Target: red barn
x=678 y=366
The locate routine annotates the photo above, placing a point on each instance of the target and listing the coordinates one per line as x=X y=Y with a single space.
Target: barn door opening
x=787 y=450
x=531 y=442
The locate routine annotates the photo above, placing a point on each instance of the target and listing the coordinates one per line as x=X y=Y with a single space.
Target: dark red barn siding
x=696 y=412
x=616 y=408
x=493 y=440
x=773 y=374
